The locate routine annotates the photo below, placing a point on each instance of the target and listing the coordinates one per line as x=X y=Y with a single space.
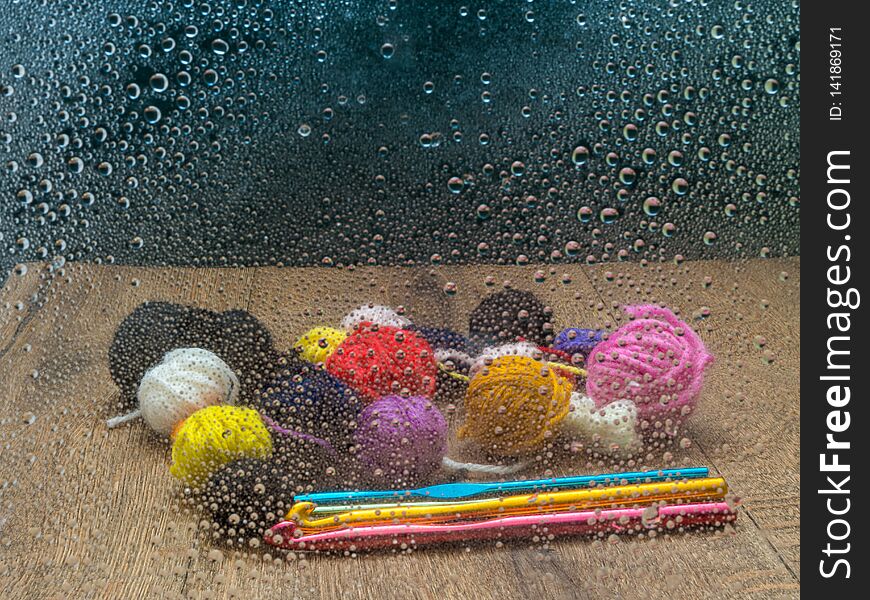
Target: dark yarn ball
x=451 y=350
x=146 y=335
x=509 y=315
x=246 y=345
x=247 y=496
x=443 y=339
x=155 y=328
x=303 y=397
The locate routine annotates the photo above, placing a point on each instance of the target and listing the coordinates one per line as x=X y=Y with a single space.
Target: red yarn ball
x=378 y=361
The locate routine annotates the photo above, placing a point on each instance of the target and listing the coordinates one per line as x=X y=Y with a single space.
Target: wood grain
x=85 y=512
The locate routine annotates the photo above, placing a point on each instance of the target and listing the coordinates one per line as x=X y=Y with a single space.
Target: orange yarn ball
x=514 y=405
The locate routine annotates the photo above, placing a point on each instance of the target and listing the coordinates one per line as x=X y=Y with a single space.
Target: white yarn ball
x=490 y=353
x=373 y=313
x=612 y=427
x=187 y=380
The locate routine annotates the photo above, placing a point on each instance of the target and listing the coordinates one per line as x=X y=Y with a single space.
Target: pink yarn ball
x=401 y=437
x=656 y=360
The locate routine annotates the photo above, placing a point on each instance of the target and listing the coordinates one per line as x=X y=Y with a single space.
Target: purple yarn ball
x=578 y=341
x=401 y=437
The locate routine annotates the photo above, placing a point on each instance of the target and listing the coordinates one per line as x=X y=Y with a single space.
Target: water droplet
x=652 y=206
x=580 y=155
x=219 y=47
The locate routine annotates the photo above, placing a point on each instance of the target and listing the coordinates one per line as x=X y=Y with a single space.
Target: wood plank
x=87 y=511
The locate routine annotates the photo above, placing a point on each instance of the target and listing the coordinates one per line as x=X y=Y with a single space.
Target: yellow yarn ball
x=514 y=405
x=318 y=343
x=214 y=436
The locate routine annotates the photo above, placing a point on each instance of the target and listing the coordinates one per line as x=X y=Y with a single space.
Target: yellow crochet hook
x=331 y=509
x=686 y=491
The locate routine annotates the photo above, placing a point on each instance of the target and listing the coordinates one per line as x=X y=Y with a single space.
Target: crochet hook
x=620 y=520
x=331 y=509
x=456 y=491
x=691 y=490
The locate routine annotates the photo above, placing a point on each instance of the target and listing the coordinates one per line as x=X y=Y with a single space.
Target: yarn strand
x=121 y=419
x=569 y=368
x=554 y=365
x=454 y=465
x=453 y=374
x=274 y=426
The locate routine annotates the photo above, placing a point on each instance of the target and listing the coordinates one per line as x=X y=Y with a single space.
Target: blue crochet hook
x=454 y=491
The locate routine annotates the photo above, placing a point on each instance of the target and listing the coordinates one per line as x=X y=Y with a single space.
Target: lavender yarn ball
x=575 y=340
x=401 y=438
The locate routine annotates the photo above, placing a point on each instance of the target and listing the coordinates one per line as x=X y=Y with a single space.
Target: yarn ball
x=609 y=429
x=515 y=405
x=574 y=340
x=318 y=343
x=401 y=438
x=490 y=353
x=187 y=380
x=212 y=437
x=303 y=397
x=656 y=361
x=380 y=361
x=153 y=329
x=373 y=314
x=451 y=354
x=448 y=346
x=441 y=338
x=510 y=316
x=246 y=345
x=247 y=496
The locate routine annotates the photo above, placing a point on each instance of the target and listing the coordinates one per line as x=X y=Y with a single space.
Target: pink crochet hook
x=619 y=520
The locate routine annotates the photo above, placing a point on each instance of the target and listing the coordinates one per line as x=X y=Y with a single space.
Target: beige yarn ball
x=373 y=313
x=612 y=427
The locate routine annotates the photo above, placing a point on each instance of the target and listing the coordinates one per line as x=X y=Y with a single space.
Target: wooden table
x=87 y=512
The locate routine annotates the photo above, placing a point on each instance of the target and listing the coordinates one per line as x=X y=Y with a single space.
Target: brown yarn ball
x=248 y=496
x=508 y=316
